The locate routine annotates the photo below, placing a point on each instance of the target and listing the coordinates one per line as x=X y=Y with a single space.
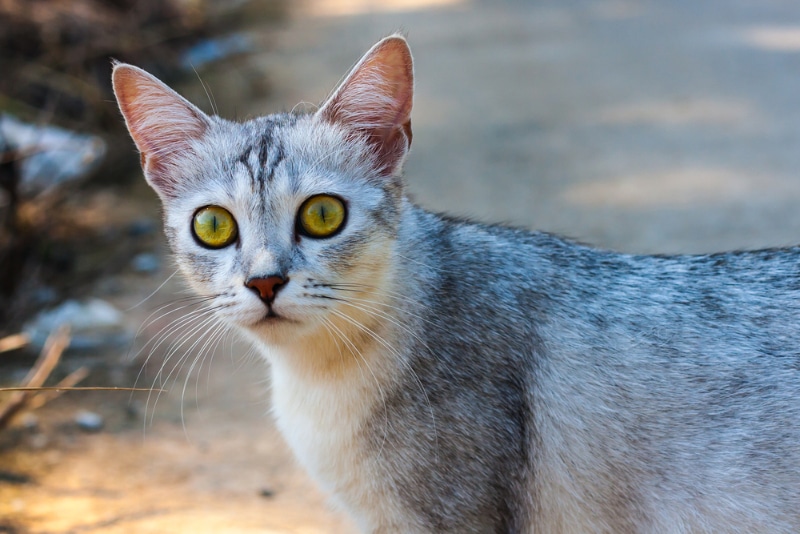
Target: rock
x=109 y=286
x=89 y=421
x=94 y=324
x=211 y=50
x=29 y=421
x=146 y=263
x=39 y=441
x=135 y=410
x=142 y=227
x=52 y=156
x=44 y=295
x=11 y=477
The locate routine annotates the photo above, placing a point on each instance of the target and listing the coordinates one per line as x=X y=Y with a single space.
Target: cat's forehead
x=290 y=147
x=256 y=136
x=264 y=145
x=279 y=160
x=270 y=126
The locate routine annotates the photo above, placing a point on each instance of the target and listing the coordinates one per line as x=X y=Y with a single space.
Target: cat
x=439 y=375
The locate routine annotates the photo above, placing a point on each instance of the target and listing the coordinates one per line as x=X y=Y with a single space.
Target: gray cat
x=437 y=375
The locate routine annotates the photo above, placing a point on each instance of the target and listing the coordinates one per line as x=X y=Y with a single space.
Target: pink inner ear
x=161 y=122
x=376 y=100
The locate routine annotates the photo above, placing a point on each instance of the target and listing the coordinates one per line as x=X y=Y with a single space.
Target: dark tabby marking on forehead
x=269 y=153
x=244 y=159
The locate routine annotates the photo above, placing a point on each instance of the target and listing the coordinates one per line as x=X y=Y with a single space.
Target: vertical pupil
x=214 y=223
x=322 y=212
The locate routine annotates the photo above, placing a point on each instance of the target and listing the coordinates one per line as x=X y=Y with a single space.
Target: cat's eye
x=321 y=216
x=214 y=227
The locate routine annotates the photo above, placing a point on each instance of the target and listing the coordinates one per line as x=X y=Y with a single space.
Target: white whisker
x=400 y=360
x=356 y=352
x=156 y=290
x=202 y=317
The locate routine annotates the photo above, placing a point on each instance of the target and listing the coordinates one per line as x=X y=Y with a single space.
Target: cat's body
x=436 y=375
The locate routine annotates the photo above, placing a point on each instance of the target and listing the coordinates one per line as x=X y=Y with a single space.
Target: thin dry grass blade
x=80 y=388
x=67 y=383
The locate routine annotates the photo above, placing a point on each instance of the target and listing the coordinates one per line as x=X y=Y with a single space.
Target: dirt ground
x=639 y=126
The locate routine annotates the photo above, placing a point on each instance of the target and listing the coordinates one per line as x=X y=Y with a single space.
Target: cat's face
x=287 y=221
x=276 y=179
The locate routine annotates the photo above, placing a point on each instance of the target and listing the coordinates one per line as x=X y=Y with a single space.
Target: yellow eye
x=214 y=227
x=321 y=216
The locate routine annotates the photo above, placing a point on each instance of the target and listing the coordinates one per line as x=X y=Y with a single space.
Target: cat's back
x=731 y=316
x=540 y=277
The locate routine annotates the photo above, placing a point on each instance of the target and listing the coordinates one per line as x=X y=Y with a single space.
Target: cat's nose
x=267 y=287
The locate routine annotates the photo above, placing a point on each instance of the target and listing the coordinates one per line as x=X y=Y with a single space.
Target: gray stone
x=94 y=324
x=146 y=263
x=89 y=421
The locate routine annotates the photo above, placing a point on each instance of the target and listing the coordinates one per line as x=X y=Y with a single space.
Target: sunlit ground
x=774 y=38
x=673 y=188
x=718 y=111
x=359 y=7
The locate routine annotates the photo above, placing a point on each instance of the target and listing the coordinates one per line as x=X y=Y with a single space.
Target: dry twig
x=45 y=363
x=13 y=342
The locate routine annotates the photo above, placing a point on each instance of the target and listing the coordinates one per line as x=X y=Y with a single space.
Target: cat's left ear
x=162 y=123
x=374 y=101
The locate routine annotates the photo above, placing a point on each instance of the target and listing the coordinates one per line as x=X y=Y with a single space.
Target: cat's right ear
x=162 y=123
x=374 y=102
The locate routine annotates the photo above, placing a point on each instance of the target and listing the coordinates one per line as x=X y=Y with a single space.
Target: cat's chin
x=273 y=320
x=275 y=329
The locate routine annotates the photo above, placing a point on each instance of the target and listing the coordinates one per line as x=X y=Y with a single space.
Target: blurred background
x=642 y=126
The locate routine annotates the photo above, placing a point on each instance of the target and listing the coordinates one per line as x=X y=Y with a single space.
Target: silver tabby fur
x=437 y=375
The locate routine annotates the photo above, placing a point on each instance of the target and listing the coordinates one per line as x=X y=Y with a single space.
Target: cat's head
x=283 y=221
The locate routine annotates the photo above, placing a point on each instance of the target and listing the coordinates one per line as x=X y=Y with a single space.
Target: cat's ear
x=375 y=99
x=162 y=123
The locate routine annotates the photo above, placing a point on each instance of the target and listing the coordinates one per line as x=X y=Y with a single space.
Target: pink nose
x=267 y=287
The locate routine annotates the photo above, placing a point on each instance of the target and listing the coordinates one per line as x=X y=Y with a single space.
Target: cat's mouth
x=271 y=317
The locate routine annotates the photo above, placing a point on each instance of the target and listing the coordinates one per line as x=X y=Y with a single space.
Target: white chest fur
x=323 y=422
